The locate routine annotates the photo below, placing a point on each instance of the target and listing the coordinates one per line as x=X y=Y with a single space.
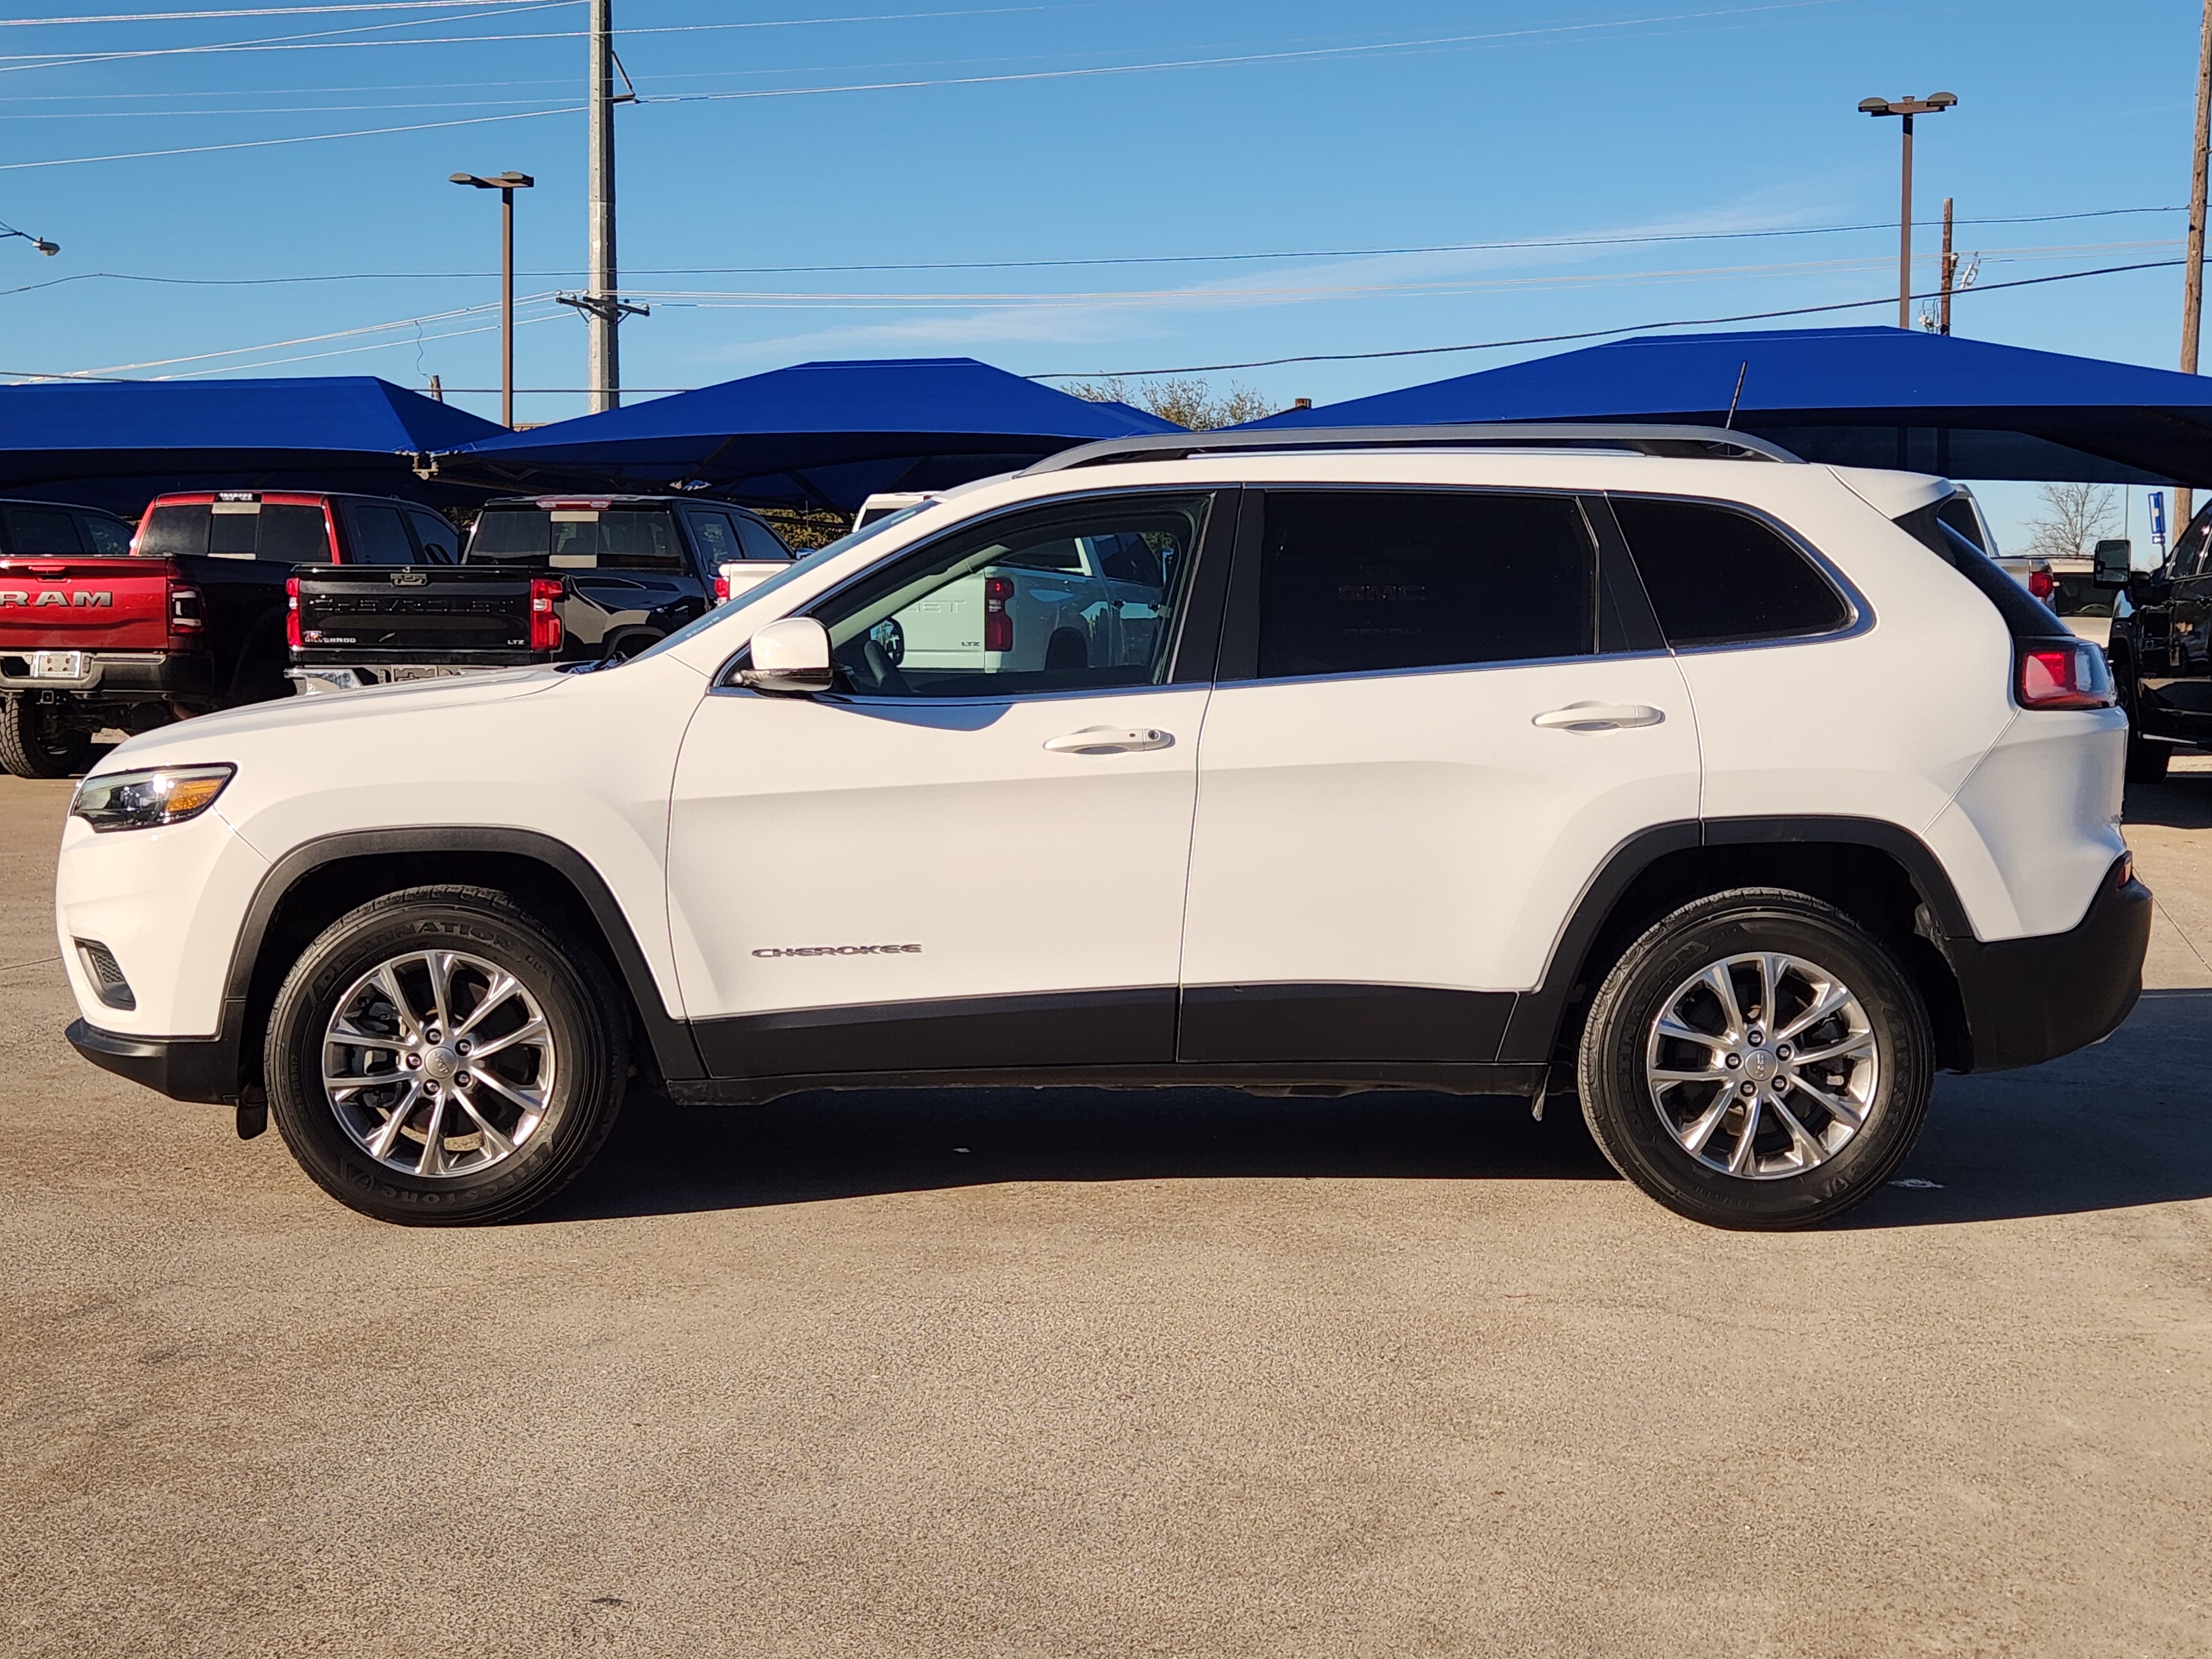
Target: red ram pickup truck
x=189 y=616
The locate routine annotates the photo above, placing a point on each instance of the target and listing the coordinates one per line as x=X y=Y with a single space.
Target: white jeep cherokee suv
x=1732 y=795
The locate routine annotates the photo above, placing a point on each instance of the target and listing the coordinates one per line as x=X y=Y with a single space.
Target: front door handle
x=1599 y=717
x=1110 y=740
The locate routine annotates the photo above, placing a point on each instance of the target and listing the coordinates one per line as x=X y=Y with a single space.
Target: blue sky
x=1047 y=131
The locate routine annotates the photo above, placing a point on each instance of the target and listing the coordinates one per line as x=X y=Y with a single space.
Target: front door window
x=1070 y=599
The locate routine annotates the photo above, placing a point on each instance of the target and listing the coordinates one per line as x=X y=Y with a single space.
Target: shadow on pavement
x=2184 y=801
x=2127 y=1123
x=669 y=1159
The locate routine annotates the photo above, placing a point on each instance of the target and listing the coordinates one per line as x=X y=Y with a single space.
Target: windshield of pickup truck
x=806 y=562
x=577 y=537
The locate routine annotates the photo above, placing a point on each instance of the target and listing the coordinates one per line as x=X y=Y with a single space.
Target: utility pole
x=1934 y=104
x=603 y=360
x=2192 y=269
x=1950 y=270
x=505 y=184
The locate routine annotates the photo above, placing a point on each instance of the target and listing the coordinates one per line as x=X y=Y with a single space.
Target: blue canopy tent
x=824 y=434
x=1856 y=397
x=117 y=443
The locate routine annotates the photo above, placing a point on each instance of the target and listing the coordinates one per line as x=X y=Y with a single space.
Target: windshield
x=720 y=613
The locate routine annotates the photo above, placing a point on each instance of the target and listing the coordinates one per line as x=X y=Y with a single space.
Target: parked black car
x=2159 y=647
x=544 y=579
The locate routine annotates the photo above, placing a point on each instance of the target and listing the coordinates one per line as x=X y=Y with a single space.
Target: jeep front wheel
x=436 y=1058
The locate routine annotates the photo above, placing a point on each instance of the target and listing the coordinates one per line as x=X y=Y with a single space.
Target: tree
x=2075 y=517
x=1188 y=403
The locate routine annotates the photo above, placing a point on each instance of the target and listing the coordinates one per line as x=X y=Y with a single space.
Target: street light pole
x=1934 y=104
x=505 y=184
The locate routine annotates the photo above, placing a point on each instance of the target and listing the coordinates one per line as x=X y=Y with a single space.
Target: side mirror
x=2111 y=564
x=790 y=656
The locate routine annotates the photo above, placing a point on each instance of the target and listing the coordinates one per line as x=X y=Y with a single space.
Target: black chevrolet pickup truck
x=544 y=579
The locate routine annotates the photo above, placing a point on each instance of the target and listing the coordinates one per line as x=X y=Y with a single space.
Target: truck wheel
x=1757 y=1061
x=436 y=1058
x=35 y=744
x=1066 y=651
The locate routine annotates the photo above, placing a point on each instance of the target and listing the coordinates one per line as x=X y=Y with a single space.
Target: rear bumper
x=119 y=676
x=183 y=1068
x=2032 y=999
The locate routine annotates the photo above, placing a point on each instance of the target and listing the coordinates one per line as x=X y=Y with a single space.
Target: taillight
x=544 y=616
x=721 y=590
x=186 y=616
x=2040 y=583
x=2065 y=677
x=997 y=626
x=292 y=611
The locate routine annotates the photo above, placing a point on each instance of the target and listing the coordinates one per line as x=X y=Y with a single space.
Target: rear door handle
x=1110 y=740
x=1599 y=717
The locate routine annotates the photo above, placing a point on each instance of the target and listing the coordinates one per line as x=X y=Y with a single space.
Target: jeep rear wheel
x=34 y=742
x=436 y=1058
x=1756 y=1060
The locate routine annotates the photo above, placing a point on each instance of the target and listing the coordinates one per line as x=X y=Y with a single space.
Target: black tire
x=2147 y=760
x=589 y=1057
x=1623 y=1106
x=35 y=744
x=1065 y=652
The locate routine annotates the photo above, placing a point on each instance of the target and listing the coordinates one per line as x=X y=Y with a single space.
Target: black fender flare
x=674 y=1049
x=1532 y=1033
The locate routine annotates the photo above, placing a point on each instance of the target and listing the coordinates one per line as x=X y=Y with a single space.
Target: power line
x=1583 y=334
x=250 y=11
x=1632 y=239
x=305 y=138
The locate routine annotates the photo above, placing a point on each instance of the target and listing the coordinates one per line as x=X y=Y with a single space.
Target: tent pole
x=2192 y=281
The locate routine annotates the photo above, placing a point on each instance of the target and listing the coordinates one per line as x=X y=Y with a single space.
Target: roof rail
x=1688 y=442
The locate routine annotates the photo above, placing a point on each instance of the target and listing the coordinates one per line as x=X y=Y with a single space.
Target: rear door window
x=110 y=538
x=717 y=538
x=1365 y=581
x=439 y=542
x=41 y=531
x=1720 y=577
x=293 y=534
x=379 y=536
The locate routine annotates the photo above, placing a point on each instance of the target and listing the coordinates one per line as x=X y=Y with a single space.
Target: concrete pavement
x=1082 y=1373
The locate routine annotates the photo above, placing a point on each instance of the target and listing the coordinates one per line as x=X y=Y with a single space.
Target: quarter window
x=1719 y=577
x=1363 y=582
x=109 y=537
x=1018 y=606
x=758 y=540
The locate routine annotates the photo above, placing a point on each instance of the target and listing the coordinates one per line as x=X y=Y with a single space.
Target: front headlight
x=147 y=800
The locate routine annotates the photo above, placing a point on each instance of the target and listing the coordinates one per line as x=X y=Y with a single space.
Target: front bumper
x=183 y=1068
x=2032 y=999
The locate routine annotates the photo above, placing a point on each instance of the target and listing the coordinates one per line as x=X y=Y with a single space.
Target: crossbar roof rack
x=1685 y=442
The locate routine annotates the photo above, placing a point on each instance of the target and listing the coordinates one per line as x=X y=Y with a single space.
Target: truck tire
x=35 y=744
x=492 y=1059
x=1757 y=1061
